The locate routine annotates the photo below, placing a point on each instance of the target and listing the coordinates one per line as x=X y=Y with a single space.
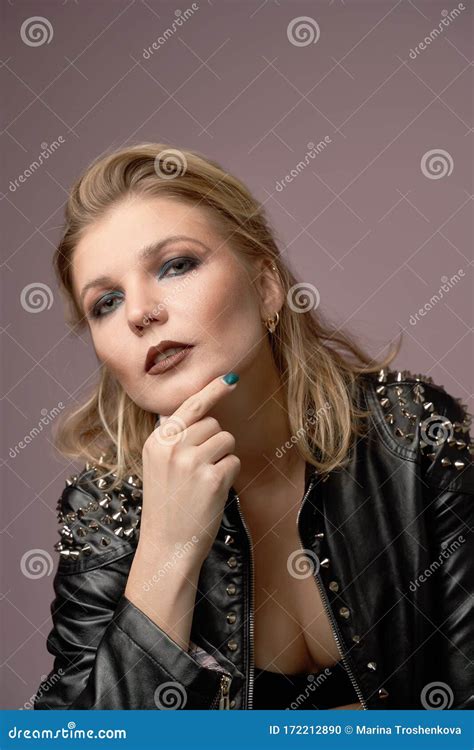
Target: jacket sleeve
x=448 y=487
x=107 y=653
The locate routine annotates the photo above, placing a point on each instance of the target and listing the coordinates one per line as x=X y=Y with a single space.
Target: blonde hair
x=320 y=366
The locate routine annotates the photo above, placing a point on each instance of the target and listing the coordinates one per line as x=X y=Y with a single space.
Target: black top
x=328 y=688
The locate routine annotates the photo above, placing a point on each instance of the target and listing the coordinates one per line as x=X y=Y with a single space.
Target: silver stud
x=459 y=465
x=319 y=535
x=372 y=665
x=232 y=562
x=333 y=586
x=325 y=563
x=119 y=531
x=228 y=539
x=104 y=541
x=356 y=638
x=232 y=645
x=231 y=589
x=383 y=694
x=231 y=617
x=344 y=612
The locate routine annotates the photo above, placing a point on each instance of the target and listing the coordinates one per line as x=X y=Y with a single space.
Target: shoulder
x=97 y=522
x=428 y=424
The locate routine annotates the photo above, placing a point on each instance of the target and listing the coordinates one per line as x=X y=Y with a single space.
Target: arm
x=108 y=654
x=448 y=488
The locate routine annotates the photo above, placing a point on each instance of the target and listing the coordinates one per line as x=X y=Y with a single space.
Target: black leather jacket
x=392 y=534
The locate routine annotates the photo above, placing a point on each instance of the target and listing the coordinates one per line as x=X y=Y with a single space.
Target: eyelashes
x=100 y=308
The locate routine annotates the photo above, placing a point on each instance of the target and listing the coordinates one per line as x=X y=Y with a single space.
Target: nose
x=143 y=308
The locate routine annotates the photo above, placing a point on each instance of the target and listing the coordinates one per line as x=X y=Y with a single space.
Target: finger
x=196 y=406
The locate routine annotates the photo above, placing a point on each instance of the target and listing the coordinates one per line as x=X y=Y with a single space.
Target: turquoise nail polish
x=230 y=378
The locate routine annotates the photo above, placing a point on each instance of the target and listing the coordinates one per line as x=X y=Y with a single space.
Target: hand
x=188 y=469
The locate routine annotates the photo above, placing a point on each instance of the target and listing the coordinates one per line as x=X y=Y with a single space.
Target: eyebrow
x=146 y=252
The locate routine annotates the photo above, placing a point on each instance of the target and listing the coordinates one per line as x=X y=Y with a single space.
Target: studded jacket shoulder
x=410 y=481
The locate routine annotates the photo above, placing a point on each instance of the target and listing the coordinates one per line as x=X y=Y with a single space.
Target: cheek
x=109 y=349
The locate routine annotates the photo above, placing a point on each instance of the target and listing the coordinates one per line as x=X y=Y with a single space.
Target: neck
x=256 y=415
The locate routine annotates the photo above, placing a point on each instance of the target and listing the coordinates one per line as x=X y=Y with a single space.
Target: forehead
x=115 y=239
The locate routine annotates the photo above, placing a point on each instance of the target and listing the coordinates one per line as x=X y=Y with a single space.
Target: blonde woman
x=265 y=516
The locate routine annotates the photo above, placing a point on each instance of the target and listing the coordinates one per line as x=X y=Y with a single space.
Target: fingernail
x=230 y=378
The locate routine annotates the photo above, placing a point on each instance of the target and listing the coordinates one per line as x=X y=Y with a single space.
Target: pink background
x=362 y=222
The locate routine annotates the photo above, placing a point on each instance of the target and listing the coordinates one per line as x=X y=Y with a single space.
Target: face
x=193 y=290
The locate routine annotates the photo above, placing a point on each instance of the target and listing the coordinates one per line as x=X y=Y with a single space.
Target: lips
x=161 y=348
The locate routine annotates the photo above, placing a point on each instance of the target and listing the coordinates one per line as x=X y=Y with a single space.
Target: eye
x=176 y=262
x=103 y=306
x=106 y=305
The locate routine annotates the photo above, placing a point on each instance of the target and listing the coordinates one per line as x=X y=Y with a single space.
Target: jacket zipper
x=328 y=610
x=252 y=604
x=222 y=699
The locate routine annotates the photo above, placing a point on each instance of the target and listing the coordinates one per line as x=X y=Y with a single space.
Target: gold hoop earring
x=271 y=323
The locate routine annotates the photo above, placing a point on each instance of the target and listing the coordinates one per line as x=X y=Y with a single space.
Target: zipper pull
x=224 y=691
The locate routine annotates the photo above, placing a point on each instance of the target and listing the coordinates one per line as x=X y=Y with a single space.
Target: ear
x=268 y=287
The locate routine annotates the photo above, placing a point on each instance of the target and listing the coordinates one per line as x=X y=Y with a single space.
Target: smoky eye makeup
x=176 y=266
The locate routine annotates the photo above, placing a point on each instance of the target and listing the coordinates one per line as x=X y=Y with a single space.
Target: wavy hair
x=320 y=365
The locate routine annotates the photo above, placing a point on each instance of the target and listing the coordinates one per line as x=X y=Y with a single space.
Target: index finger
x=196 y=406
